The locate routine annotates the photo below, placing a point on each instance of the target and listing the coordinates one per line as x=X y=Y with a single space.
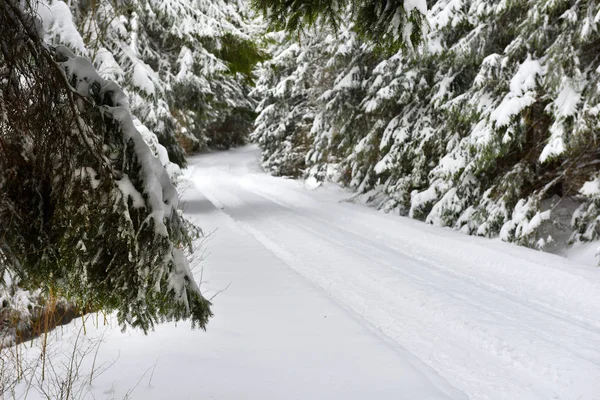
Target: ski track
x=496 y=321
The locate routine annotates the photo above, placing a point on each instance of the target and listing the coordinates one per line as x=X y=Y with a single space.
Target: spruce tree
x=87 y=211
x=185 y=65
x=487 y=126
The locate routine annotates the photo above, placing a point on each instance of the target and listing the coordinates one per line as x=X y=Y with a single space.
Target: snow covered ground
x=331 y=300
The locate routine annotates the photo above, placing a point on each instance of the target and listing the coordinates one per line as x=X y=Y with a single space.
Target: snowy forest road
x=494 y=320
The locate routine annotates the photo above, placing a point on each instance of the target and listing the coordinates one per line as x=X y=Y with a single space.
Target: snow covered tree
x=286 y=87
x=305 y=90
x=488 y=126
x=185 y=65
x=87 y=210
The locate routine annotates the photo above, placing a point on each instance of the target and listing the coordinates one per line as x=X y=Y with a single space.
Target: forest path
x=493 y=320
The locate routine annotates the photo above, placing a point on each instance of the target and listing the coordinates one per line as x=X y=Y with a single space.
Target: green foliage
x=241 y=56
x=294 y=16
x=385 y=23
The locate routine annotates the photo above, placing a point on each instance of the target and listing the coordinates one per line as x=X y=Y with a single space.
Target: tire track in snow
x=488 y=342
x=593 y=325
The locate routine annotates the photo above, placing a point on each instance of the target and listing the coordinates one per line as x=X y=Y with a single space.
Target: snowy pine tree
x=87 y=210
x=185 y=65
x=487 y=126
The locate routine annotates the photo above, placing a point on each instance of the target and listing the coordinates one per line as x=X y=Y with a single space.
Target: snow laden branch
x=389 y=24
x=87 y=211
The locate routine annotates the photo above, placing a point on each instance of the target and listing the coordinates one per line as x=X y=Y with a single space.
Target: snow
x=450 y=164
x=86 y=74
x=157 y=149
x=350 y=80
x=326 y=299
x=185 y=62
x=141 y=78
x=311 y=183
x=20 y=302
x=107 y=66
x=162 y=195
x=447 y=202
x=584 y=253
x=521 y=95
x=556 y=144
x=419 y=199
x=129 y=191
x=420 y=5
x=495 y=320
x=443 y=91
x=491 y=62
x=525 y=78
x=443 y=13
x=564 y=105
x=511 y=105
x=591 y=188
x=57 y=21
x=567 y=100
x=383 y=165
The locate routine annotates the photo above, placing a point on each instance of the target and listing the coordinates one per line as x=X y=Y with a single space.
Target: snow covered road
x=328 y=300
x=493 y=320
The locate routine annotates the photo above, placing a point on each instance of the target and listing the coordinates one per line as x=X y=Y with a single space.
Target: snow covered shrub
x=87 y=211
x=25 y=314
x=17 y=311
x=488 y=126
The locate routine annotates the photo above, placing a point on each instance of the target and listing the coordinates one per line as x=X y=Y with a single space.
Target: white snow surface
x=591 y=188
x=57 y=20
x=327 y=299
